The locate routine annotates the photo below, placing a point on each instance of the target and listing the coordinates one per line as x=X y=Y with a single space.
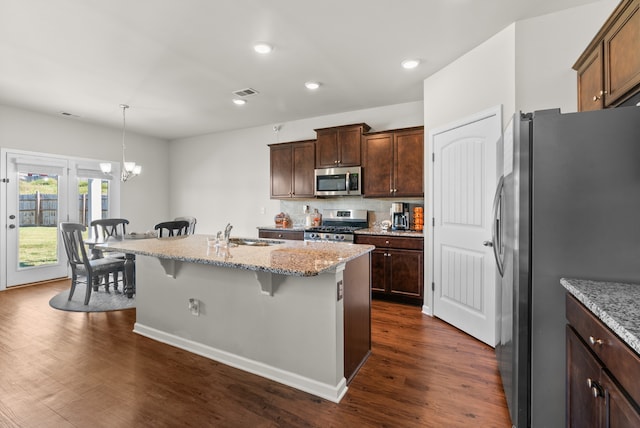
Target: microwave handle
x=346 y=185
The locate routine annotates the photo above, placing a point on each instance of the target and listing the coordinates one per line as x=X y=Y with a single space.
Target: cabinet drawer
x=621 y=360
x=296 y=235
x=391 y=242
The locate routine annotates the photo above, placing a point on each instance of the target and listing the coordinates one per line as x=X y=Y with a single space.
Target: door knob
x=487 y=244
x=12 y=226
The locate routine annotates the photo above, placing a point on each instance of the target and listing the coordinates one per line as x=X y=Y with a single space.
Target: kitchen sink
x=254 y=242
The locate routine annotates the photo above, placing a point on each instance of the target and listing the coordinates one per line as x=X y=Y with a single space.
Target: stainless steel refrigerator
x=568 y=205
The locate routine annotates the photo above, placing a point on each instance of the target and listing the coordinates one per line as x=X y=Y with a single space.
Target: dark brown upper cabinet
x=340 y=145
x=292 y=167
x=393 y=163
x=609 y=68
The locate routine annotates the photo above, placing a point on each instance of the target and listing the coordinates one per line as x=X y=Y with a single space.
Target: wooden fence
x=41 y=209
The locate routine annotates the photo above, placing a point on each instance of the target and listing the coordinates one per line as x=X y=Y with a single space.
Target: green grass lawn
x=38 y=246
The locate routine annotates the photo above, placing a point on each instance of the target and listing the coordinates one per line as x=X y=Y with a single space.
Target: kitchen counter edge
x=280 y=228
x=614 y=303
x=367 y=231
x=193 y=249
x=381 y=232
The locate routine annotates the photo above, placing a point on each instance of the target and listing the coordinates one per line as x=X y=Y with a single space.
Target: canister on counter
x=418 y=218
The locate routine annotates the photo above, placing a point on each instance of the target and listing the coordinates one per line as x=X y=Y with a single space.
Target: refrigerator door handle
x=495 y=228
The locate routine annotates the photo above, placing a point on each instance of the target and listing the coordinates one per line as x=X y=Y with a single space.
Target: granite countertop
x=382 y=232
x=296 y=258
x=274 y=227
x=376 y=230
x=614 y=303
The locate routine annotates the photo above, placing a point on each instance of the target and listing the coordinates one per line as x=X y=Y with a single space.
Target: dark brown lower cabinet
x=598 y=365
x=397 y=267
x=585 y=409
x=296 y=235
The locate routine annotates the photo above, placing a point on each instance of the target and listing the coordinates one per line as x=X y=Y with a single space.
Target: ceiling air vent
x=245 y=92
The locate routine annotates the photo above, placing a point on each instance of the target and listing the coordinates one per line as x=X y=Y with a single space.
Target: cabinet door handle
x=595 y=341
x=596 y=389
x=599 y=96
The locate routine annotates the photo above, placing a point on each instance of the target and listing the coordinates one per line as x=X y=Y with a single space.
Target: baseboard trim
x=319 y=389
x=427 y=310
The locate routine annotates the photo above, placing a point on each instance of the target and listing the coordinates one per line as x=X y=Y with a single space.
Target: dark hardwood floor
x=65 y=369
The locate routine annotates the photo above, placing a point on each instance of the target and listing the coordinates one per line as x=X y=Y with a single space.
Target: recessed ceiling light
x=410 y=63
x=312 y=85
x=262 y=48
x=239 y=102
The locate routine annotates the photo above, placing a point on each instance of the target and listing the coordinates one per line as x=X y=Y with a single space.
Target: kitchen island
x=294 y=312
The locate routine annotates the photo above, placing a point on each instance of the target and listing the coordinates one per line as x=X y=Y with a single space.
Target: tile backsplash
x=378 y=209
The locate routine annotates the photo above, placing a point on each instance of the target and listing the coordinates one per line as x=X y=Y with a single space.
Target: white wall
x=224 y=177
x=144 y=199
x=546 y=49
x=482 y=78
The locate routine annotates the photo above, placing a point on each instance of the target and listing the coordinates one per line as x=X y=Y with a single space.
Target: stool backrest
x=173 y=228
x=74 y=244
x=106 y=227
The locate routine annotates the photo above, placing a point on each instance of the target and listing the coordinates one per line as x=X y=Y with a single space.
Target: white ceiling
x=177 y=62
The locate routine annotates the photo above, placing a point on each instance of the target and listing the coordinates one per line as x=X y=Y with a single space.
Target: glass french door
x=36 y=201
x=94 y=200
x=38 y=192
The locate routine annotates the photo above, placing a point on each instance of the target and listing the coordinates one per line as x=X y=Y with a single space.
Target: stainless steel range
x=337 y=226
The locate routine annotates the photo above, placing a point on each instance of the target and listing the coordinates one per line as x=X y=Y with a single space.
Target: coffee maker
x=399 y=216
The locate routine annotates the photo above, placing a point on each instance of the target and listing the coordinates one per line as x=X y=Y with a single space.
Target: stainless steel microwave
x=344 y=181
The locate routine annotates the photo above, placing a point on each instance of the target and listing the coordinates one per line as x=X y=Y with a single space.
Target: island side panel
x=295 y=336
x=357 y=314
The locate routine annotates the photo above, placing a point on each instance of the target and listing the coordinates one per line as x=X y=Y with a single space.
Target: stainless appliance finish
x=568 y=208
x=399 y=216
x=344 y=181
x=337 y=226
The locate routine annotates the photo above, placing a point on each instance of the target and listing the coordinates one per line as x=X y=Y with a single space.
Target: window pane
x=38 y=219
x=93 y=200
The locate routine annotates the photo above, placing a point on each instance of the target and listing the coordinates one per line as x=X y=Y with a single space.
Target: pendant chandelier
x=129 y=169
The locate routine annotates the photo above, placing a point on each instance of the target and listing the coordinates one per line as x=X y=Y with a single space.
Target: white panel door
x=464 y=180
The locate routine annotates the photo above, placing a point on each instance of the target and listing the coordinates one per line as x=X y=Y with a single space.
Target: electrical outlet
x=263 y=210
x=194 y=307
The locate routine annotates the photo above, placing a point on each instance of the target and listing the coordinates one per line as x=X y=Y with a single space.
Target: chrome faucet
x=227 y=232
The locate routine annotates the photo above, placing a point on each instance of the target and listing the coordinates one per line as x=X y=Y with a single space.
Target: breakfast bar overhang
x=294 y=312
